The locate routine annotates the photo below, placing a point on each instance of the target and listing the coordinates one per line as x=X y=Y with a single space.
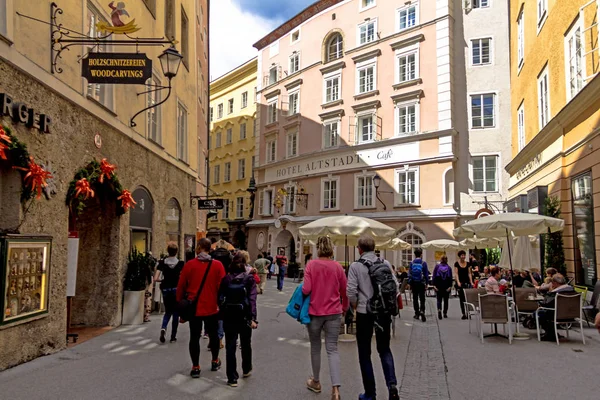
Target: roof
x=294 y=22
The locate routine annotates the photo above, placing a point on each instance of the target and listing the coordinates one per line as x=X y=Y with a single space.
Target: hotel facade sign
x=380 y=156
x=117 y=68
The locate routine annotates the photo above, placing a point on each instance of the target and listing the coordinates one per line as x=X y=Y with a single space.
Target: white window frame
x=239 y=211
x=271 y=151
x=229 y=136
x=245 y=99
x=359 y=118
x=577 y=26
x=337 y=194
x=292 y=41
x=271 y=69
x=294 y=60
x=106 y=92
x=543 y=103
x=407 y=8
x=227 y=172
x=243 y=131
x=212 y=114
x=404 y=53
x=521 y=140
x=357 y=204
x=365 y=25
x=520 y=40
x=241 y=169
x=542 y=14
x=220 y=111
x=490 y=55
x=498 y=172
x=495 y=124
x=6 y=23
x=330 y=77
x=445 y=193
x=182 y=142
x=397 y=125
x=156 y=111
x=338 y=123
x=289 y=201
x=364 y=66
x=291 y=143
x=225 y=213
x=217 y=174
x=362 y=6
x=480 y=3
x=230 y=106
x=266 y=209
x=405 y=170
x=272 y=111
x=218 y=140
x=293 y=110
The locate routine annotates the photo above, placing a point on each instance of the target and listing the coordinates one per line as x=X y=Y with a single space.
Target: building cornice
x=293 y=84
x=366 y=56
x=366 y=106
x=272 y=93
x=556 y=126
x=414 y=95
x=242 y=72
x=407 y=41
x=332 y=114
x=333 y=67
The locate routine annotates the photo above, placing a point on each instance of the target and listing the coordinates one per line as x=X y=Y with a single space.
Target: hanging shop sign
x=211 y=204
x=117 y=68
x=20 y=113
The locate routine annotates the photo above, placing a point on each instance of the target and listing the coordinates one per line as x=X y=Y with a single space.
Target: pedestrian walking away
x=221 y=253
x=281 y=263
x=262 y=266
x=199 y=282
x=464 y=279
x=237 y=299
x=269 y=270
x=418 y=277
x=325 y=281
x=167 y=273
x=442 y=283
x=360 y=293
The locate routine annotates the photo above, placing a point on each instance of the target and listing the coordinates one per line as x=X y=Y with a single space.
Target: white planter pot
x=133 y=308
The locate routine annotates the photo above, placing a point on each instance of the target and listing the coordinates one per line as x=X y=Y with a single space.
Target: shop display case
x=24 y=276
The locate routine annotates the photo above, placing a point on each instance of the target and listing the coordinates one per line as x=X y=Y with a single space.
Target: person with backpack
x=237 y=297
x=325 y=282
x=372 y=292
x=442 y=284
x=170 y=269
x=418 y=276
x=199 y=287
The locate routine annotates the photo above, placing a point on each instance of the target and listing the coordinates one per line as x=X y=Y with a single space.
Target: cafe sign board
x=211 y=204
x=117 y=68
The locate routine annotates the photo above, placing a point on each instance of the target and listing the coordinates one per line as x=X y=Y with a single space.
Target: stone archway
x=283 y=241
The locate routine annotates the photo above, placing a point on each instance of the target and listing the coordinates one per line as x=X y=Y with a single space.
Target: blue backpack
x=297 y=308
x=416 y=272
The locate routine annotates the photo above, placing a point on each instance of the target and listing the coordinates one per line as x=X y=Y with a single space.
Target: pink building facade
x=356 y=117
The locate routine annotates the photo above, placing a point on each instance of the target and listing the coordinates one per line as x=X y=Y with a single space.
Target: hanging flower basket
x=98 y=180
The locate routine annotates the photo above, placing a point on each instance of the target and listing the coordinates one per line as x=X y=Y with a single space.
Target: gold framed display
x=24 y=275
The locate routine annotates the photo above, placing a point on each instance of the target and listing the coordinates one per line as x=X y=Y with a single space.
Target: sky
x=237 y=24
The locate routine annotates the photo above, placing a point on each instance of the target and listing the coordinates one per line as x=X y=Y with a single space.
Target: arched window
x=140 y=220
x=406 y=256
x=173 y=221
x=335 y=47
x=449 y=187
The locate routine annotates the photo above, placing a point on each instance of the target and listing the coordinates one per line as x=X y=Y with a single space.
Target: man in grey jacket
x=360 y=290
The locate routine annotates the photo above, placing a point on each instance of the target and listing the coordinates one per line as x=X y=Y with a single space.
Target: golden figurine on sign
x=118 y=26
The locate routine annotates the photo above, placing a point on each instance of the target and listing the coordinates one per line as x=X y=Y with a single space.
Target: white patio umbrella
x=525 y=253
x=482 y=243
x=394 y=244
x=442 y=244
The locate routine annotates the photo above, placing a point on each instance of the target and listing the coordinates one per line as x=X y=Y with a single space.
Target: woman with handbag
x=325 y=282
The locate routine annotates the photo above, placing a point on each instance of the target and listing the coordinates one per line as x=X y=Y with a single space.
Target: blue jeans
x=280 y=278
x=365 y=323
x=170 y=301
x=221 y=332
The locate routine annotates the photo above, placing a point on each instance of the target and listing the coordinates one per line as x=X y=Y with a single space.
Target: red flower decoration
x=106 y=169
x=4 y=146
x=36 y=177
x=126 y=200
x=83 y=187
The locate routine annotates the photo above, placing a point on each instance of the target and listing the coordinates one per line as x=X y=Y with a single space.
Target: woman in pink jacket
x=325 y=282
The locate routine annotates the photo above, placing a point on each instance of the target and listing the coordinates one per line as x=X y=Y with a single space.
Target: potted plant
x=137 y=278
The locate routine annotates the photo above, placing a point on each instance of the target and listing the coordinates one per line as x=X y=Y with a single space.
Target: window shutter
x=379 y=127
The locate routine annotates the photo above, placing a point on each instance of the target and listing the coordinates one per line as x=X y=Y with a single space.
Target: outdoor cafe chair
x=472 y=305
x=403 y=288
x=494 y=309
x=593 y=308
x=523 y=305
x=567 y=311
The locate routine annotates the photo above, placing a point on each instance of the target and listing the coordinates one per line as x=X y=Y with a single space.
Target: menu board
x=26 y=279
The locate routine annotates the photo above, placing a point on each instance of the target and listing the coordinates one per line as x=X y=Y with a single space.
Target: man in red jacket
x=207 y=308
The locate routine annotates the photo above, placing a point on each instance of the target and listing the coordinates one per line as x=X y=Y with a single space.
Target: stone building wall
x=69 y=147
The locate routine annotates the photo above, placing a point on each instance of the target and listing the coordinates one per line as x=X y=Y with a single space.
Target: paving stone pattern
x=425 y=367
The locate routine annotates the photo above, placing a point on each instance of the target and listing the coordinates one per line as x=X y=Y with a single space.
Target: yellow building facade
x=556 y=121
x=232 y=146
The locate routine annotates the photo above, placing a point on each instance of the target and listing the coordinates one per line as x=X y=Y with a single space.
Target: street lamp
x=252 y=190
x=170 y=61
x=376 y=181
x=377 y=184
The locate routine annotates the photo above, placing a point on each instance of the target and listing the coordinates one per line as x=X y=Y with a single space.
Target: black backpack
x=385 y=290
x=235 y=301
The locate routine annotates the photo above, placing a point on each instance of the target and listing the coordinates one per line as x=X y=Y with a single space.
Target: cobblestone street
x=434 y=360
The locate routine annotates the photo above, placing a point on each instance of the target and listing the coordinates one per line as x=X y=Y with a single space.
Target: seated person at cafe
x=517 y=279
x=546 y=317
x=547 y=285
x=486 y=272
x=528 y=280
x=491 y=284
